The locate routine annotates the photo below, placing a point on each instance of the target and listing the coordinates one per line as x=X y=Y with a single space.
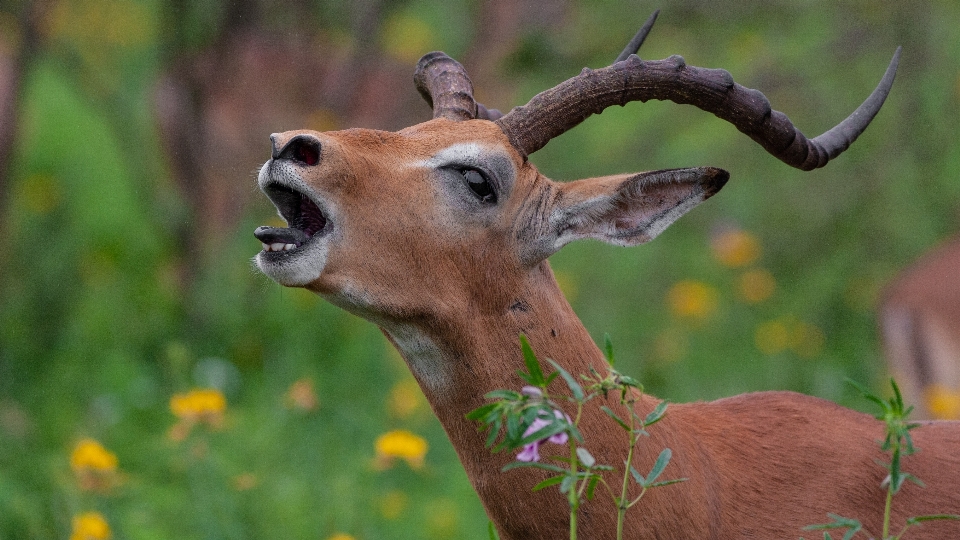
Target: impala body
x=440 y=233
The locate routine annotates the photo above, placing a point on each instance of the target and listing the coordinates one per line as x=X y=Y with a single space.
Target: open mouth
x=304 y=217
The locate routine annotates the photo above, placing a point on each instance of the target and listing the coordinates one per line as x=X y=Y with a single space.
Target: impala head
x=450 y=213
x=376 y=219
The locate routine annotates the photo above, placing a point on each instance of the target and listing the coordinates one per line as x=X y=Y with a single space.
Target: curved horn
x=444 y=84
x=638 y=39
x=554 y=111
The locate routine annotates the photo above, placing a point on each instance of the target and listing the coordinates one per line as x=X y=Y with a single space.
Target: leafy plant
x=532 y=417
x=898 y=443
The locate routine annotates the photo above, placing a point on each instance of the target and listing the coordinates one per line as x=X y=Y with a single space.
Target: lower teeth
x=279 y=247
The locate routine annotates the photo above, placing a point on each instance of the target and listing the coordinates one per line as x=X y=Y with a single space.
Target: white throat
x=425 y=359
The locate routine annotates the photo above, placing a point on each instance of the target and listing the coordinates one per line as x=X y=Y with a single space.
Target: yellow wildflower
x=301 y=396
x=341 y=536
x=692 y=299
x=202 y=405
x=90 y=526
x=400 y=444
x=735 y=248
x=405 y=398
x=755 y=286
x=943 y=402
x=94 y=465
x=198 y=404
x=89 y=454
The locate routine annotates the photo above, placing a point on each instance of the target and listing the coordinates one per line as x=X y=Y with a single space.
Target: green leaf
x=637 y=477
x=932 y=517
x=544 y=432
x=662 y=460
x=552 y=481
x=656 y=414
x=591 y=485
x=575 y=387
x=898 y=396
x=492 y=531
x=867 y=394
x=514 y=429
x=585 y=457
x=608 y=348
x=530 y=414
x=503 y=394
x=613 y=415
x=914 y=479
x=567 y=483
x=480 y=412
x=494 y=432
x=839 y=522
x=533 y=464
x=533 y=365
x=859 y=388
x=668 y=482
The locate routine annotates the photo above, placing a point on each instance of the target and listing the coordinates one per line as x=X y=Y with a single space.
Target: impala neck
x=460 y=358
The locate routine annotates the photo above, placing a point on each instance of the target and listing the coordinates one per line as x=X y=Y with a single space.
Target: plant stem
x=573 y=523
x=886 y=513
x=622 y=506
x=573 y=496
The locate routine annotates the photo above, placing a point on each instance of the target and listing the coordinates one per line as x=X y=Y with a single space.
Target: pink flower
x=531 y=391
x=531 y=452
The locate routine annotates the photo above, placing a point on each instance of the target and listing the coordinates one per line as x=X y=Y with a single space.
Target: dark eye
x=479 y=185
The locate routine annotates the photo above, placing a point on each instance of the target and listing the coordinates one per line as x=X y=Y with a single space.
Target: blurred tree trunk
x=255 y=74
x=18 y=45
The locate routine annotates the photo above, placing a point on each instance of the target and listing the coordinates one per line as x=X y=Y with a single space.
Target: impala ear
x=627 y=209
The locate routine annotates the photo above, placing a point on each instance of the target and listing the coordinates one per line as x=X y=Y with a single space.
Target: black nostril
x=302 y=148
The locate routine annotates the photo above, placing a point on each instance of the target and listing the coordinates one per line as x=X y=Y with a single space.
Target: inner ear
x=630 y=209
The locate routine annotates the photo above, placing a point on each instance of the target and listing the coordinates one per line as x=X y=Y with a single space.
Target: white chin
x=293 y=269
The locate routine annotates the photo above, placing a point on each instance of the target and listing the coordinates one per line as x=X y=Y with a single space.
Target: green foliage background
x=97 y=330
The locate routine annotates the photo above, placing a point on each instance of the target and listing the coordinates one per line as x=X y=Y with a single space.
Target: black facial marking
x=520 y=305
